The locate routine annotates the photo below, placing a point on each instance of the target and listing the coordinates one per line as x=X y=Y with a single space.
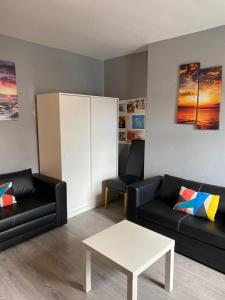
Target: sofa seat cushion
x=212 y=233
x=159 y=212
x=26 y=209
x=120 y=183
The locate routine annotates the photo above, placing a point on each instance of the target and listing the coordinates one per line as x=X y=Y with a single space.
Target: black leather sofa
x=41 y=205
x=150 y=204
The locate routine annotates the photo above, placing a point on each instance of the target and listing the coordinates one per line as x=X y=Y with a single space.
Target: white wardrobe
x=78 y=143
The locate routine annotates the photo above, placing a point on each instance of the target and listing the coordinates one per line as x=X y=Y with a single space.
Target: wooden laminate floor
x=49 y=267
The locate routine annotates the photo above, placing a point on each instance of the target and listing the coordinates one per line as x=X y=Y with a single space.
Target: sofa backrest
x=22 y=182
x=215 y=190
x=170 y=187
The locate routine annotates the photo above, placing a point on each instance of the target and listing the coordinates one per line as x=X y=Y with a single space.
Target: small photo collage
x=131 y=120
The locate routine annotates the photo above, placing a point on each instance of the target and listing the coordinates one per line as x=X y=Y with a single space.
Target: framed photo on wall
x=122 y=122
x=123 y=137
x=138 y=122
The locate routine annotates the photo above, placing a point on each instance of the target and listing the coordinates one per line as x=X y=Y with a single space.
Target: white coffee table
x=132 y=249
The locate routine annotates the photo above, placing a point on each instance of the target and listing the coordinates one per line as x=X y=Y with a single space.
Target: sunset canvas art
x=8 y=91
x=188 y=93
x=210 y=89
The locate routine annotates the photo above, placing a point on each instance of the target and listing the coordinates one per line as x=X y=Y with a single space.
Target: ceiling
x=106 y=28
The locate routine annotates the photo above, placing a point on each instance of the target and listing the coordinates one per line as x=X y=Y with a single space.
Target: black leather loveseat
x=41 y=205
x=150 y=204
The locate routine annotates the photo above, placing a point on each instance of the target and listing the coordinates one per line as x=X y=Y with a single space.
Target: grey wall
x=40 y=69
x=126 y=77
x=174 y=148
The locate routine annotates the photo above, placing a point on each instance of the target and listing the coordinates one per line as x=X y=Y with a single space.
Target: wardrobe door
x=75 y=148
x=104 y=141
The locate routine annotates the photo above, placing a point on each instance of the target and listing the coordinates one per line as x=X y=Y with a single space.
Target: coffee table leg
x=131 y=287
x=169 y=269
x=87 y=271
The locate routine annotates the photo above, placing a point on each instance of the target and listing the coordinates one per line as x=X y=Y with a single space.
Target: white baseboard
x=83 y=209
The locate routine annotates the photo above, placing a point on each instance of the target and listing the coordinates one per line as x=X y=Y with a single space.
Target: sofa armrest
x=55 y=190
x=140 y=193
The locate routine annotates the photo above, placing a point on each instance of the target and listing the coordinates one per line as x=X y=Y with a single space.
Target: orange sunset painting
x=210 y=88
x=8 y=91
x=188 y=93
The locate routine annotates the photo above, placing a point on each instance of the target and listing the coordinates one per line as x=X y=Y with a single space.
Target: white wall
x=179 y=149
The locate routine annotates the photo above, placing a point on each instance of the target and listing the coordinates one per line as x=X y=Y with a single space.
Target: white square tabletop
x=131 y=247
